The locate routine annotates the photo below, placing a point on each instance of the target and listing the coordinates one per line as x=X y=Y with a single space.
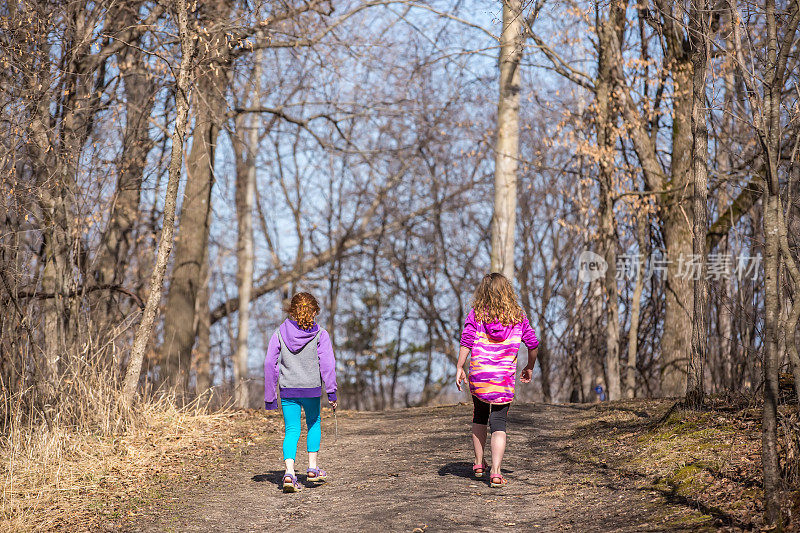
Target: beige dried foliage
x=94 y=461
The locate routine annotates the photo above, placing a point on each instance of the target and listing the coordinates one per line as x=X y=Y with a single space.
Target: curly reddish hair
x=303 y=309
x=495 y=301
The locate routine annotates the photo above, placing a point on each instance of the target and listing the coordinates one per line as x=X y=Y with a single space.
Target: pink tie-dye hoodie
x=493 y=363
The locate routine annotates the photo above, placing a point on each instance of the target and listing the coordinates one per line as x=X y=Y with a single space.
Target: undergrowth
x=84 y=458
x=708 y=460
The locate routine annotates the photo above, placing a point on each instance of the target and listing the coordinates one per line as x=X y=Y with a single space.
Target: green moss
x=685 y=519
x=687 y=480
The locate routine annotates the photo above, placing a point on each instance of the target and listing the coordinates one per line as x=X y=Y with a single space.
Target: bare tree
x=140 y=84
x=699 y=32
x=765 y=93
x=507 y=143
x=245 y=194
x=211 y=79
x=182 y=88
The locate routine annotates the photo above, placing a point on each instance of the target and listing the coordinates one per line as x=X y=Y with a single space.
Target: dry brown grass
x=88 y=460
x=63 y=479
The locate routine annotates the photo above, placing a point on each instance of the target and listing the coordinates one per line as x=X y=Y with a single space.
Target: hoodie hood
x=294 y=337
x=497 y=331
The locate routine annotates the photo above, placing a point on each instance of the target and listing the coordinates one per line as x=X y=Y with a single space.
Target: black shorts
x=487 y=413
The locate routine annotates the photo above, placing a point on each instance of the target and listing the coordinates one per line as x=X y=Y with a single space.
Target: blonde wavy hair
x=495 y=301
x=302 y=309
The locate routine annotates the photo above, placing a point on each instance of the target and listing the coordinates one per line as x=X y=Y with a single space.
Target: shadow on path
x=464 y=469
x=275 y=477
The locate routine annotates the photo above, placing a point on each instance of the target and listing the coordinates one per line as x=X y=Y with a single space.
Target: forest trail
x=410 y=469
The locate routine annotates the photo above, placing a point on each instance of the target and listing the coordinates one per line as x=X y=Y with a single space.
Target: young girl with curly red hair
x=494 y=329
x=300 y=358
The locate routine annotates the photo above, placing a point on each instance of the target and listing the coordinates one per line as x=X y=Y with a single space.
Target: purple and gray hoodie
x=295 y=340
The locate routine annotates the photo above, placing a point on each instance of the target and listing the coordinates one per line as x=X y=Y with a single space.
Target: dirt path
x=407 y=469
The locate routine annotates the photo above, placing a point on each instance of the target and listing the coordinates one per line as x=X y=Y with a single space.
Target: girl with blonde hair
x=493 y=331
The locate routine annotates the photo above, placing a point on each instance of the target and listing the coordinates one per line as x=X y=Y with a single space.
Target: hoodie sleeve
x=470 y=328
x=327 y=364
x=271 y=373
x=528 y=335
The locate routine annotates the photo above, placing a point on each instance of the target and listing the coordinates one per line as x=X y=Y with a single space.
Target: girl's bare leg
x=312 y=459
x=498 y=449
x=478 y=441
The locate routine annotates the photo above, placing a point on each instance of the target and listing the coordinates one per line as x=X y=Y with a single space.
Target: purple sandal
x=316 y=475
x=290 y=483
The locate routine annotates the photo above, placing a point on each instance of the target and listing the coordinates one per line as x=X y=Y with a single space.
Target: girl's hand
x=332 y=404
x=527 y=374
x=460 y=376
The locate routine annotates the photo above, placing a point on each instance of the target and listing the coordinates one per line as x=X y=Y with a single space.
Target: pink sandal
x=497 y=480
x=478 y=470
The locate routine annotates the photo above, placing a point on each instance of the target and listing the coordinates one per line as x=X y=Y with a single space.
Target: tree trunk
x=165 y=243
x=769 y=423
x=212 y=82
x=771 y=140
x=202 y=349
x=507 y=144
x=58 y=158
x=727 y=354
x=245 y=192
x=587 y=360
x=115 y=245
x=695 y=391
x=642 y=222
x=543 y=355
x=676 y=339
x=790 y=329
x=55 y=280
x=606 y=137
x=611 y=295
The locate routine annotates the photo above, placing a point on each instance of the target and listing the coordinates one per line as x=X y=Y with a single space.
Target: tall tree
x=605 y=127
x=699 y=32
x=182 y=87
x=672 y=192
x=212 y=79
x=642 y=222
x=765 y=93
x=245 y=194
x=507 y=143
x=140 y=93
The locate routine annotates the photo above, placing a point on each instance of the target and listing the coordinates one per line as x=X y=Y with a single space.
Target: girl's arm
x=462 y=358
x=467 y=342
x=271 y=373
x=327 y=364
x=529 y=336
x=532 y=343
x=468 y=334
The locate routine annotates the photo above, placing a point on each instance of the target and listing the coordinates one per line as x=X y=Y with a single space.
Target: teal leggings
x=291 y=421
